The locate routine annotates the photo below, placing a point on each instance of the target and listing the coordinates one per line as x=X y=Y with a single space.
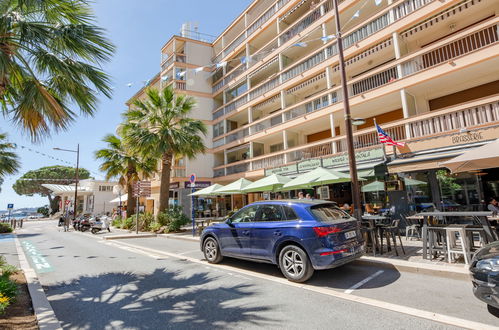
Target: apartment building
x=426 y=70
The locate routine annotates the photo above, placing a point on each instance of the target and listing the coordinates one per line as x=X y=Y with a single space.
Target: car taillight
x=324 y=231
x=333 y=252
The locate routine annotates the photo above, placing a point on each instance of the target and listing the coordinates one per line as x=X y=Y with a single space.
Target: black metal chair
x=391 y=232
x=368 y=231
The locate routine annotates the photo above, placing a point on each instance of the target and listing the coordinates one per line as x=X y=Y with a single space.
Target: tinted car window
x=245 y=215
x=270 y=213
x=328 y=213
x=289 y=213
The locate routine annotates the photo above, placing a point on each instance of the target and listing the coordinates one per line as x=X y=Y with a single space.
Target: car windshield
x=328 y=213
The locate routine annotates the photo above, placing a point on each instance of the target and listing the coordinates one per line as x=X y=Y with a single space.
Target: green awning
x=208 y=191
x=317 y=177
x=272 y=183
x=413 y=182
x=373 y=186
x=233 y=188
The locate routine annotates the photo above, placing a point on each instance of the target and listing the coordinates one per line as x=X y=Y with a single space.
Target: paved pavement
x=152 y=283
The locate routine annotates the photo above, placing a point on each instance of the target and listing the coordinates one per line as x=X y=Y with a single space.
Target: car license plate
x=350 y=234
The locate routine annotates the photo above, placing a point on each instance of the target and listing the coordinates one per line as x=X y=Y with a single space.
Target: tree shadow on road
x=158 y=300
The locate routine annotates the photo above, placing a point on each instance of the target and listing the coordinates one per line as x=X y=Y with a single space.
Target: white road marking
x=445 y=319
x=364 y=281
x=187 y=252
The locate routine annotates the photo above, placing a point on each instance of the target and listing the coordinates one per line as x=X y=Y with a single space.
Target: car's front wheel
x=295 y=264
x=211 y=251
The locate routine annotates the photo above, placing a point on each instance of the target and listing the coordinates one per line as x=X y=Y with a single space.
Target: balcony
x=473 y=114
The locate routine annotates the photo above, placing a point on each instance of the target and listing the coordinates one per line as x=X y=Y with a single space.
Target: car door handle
x=246 y=232
x=277 y=233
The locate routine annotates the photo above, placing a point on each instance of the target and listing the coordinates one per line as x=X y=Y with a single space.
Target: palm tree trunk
x=130 y=204
x=164 y=191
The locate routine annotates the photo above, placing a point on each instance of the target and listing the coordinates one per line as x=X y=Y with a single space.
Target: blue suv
x=297 y=235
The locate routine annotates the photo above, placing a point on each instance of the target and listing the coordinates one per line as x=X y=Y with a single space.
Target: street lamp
x=77 y=151
x=348 y=119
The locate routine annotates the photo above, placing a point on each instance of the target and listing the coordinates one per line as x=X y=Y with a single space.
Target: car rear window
x=328 y=213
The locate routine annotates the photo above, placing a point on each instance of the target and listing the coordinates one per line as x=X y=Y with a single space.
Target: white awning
x=60 y=188
x=124 y=198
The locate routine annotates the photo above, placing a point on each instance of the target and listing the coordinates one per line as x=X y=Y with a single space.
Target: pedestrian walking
x=66 y=223
x=105 y=223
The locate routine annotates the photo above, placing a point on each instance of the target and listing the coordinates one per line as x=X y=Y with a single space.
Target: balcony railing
x=304 y=22
x=181 y=85
x=474 y=116
x=452 y=50
x=239 y=168
x=263 y=88
x=374 y=81
x=309 y=63
x=268 y=162
x=408 y=7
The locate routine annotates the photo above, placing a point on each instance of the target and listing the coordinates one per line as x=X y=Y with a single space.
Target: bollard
x=21 y=223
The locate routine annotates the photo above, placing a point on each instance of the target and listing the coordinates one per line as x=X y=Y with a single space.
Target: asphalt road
x=160 y=283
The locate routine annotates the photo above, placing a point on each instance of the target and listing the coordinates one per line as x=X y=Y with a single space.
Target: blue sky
x=139 y=28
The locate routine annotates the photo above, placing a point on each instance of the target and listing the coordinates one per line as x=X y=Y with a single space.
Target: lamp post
x=77 y=151
x=348 y=118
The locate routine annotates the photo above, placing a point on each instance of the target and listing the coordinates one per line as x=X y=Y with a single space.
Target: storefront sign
x=198 y=184
x=360 y=156
x=336 y=161
x=174 y=185
x=308 y=165
x=467 y=137
x=289 y=169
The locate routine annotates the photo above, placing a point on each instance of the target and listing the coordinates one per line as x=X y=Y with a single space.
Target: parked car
x=299 y=236
x=485 y=276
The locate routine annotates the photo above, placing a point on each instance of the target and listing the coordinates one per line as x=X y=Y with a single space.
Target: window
x=328 y=213
x=270 y=213
x=245 y=215
x=289 y=213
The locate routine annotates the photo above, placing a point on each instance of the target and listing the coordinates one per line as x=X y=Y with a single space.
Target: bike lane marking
x=364 y=281
x=39 y=262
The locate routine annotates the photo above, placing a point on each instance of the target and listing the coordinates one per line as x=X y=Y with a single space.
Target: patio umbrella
x=233 y=188
x=374 y=186
x=317 y=177
x=269 y=183
x=413 y=182
x=208 y=191
x=486 y=156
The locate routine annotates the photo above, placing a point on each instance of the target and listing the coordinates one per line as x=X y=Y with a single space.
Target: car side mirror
x=229 y=222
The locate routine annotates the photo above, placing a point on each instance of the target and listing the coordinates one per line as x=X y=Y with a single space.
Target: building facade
x=269 y=87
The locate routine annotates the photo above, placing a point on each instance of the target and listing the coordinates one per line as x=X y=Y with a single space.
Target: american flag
x=385 y=138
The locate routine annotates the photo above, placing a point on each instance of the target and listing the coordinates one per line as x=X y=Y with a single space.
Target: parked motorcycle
x=84 y=224
x=96 y=226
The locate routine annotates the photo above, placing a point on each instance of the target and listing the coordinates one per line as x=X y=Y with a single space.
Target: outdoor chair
x=437 y=242
x=412 y=227
x=391 y=232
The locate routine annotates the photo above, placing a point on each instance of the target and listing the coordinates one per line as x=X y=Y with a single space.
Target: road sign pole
x=137 y=210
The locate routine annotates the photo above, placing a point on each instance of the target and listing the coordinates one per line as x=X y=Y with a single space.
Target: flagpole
x=356 y=199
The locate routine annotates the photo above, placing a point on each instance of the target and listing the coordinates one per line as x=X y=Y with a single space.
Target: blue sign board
x=10 y=206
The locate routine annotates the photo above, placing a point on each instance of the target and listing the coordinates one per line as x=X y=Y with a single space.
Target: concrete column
x=285 y=139
x=391 y=15
x=283 y=99
x=225 y=157
x=323 y=10
x=251 y=156
x=396 y=48
x=248 y=54
x=250 y=115
x=333 y=132
x=408 y=108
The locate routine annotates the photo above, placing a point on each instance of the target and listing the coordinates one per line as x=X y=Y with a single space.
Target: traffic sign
x=142 y=189
x=10 y=206
x=192 y=179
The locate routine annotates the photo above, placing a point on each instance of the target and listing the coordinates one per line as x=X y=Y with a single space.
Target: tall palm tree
x=160 y=127
x=50 y=58
x=9 y=162
x=120 y=161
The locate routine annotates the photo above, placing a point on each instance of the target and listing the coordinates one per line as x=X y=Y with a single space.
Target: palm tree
x=160 y=127
x=9 y=162
x=50 y=58
x=120 y=161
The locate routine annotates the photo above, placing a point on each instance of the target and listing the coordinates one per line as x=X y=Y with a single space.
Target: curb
x=180 y=237
x=128 y=236
x=44 y=313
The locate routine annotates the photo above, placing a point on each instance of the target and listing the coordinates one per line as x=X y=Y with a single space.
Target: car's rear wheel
x=295 y=264
x=211 y=251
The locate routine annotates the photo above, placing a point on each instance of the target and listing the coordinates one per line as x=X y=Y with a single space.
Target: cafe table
x=478 y=217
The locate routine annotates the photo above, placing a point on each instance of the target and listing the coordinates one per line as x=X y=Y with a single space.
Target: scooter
x=84 y=224
x=96 y=226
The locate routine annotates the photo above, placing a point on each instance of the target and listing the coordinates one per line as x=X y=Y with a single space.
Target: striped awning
x=60 y=188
